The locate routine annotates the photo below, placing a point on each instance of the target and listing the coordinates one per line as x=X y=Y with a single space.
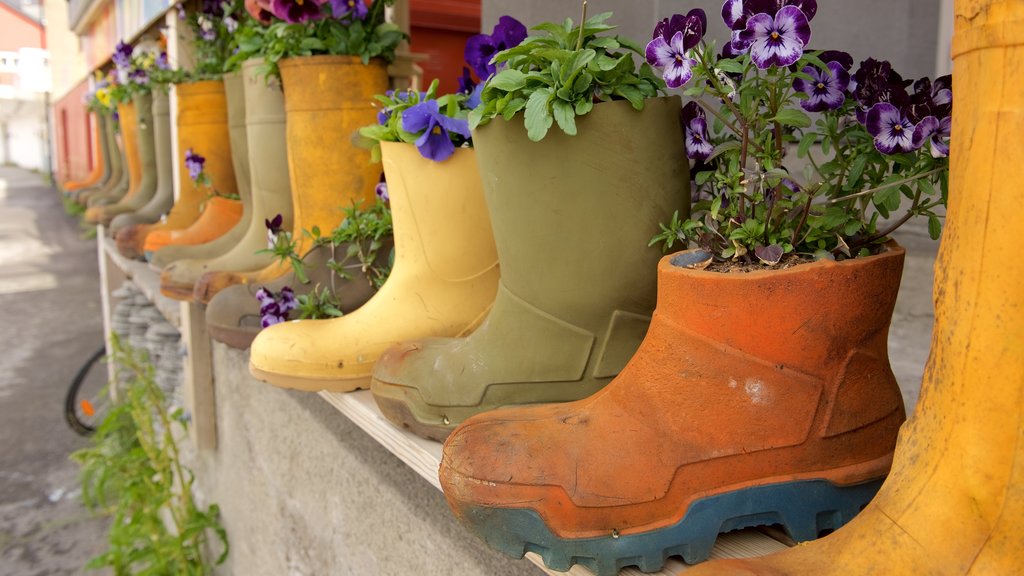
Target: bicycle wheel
x=86 y=402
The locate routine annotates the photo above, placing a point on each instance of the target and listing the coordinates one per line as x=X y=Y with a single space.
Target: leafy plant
x=213 y=28
x=559 y=75
x=435 y=124
x=870 y=147
x=307 y=28
x=132 y=472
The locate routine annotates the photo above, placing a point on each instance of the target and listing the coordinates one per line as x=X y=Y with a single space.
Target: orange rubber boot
x=743 y=406
x=100 y=169
x=327 y=99
x=954 y=502
x=202 y=126
x=219 y=215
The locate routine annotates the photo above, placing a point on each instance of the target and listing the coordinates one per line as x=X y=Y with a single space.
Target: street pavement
x=51 y=323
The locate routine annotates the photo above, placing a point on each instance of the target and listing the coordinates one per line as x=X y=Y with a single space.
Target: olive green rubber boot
x=233 y=316
x=163 y=196
x=572 y=219
x=117 y=184
x=147 y=163
x=261 y=202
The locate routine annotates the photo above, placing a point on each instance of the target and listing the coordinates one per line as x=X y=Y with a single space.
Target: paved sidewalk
x=49 y=295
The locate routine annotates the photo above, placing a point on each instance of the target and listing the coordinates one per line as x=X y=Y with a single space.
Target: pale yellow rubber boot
x=954 y=501
x=443 y=282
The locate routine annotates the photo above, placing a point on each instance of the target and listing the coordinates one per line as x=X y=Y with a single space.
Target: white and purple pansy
x=893 y=132
x=698 y=143
x=671 y=58
x=826 y=90
x=693 y=26
x=777 y=41
x=936 y=131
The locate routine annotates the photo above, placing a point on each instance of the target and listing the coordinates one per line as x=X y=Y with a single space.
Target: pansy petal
x=459 y=126
x=678 y=72
x=879 y=116
x=418 y=117
x=808 y=7
x=924 y=130
x=792 y=22
x=659 y=53
x=758 y=26
x=509 y=31
x=732 y=11
x=437 y=146
x=840 y=76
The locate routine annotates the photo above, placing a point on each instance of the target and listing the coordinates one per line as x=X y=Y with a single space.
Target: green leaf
x=857 y=168
x=729 y=65
x=805 y=144
x=793 y=117
x=934 y=227
x=887 y=199
x=508 y=80
x=538 y=115
x=565 y=116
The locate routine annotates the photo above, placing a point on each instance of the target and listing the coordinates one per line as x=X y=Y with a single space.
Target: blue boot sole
x=805 y=508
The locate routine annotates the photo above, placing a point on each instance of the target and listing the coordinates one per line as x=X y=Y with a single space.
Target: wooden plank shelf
x=424 y=457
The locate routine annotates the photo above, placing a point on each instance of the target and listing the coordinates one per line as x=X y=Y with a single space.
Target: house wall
x=19 y=31
x=72 y=135
x=905 y=32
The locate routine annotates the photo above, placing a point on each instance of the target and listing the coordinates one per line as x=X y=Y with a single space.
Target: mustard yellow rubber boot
x=954 y=501
x=443 y=282
x=129 y=124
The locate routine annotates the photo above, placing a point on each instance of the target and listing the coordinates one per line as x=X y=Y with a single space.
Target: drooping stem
x=583 y=22
x=803 y=220
x=884 y=186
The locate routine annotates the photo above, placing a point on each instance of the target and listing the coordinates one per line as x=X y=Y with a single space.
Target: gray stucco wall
x=304 y=491
x=905 y=32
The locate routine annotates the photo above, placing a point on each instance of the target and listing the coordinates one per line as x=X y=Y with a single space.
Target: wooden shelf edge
x=144 y=277
x=424 y=457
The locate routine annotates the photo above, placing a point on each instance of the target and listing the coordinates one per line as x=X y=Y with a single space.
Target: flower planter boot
x=123 y=226
x=327 y=99
x=101 y=168
x=744 y=406
x=443 y=281
x=574 y=300
x=146 y=163
x=256 y=115
x=129 y=130
x=118 y=179
x=217 y=217
x=233 y=315
x=954 y=501
x=202 y=126
x=212 y=141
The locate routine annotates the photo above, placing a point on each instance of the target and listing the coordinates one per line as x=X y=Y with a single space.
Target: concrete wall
x=904 y=32
x=302 y=490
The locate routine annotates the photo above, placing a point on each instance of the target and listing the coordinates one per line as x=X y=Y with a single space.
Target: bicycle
x=86 y=402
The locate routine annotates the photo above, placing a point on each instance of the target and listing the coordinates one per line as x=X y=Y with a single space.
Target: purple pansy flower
x=162 y=63
x=735 y=13
x=212 y=8
x=507 y=33
x=826 y=90
x=875 y=81
x=698 y=143
x=937 y=132
x=892 y=130
x=355 y=8
x=122 y=56
x=435 y=128
x=181 y=11
x=287 y=300
x=264 y=297
x=692 y=26
x=271 y=314
x=672 y=59
x=466 y=82
x=273 y=230
x=194 y=162
x=931 y=99
x=274 y=308
x=777 y=41
x=230 y=24
x=139 y=76
x=382 y=191
x=294 y=11
x=206 y=29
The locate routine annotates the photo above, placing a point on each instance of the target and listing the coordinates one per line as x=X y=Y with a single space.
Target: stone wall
x=304 y=491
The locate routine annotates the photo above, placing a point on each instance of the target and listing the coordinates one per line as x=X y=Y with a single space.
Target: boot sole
x=350 y=384
x=398 y=412
x=179 y=292
x=806 y=508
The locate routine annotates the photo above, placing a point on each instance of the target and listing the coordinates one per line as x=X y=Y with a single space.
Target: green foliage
x=559 y=75
x=394 y=103
x=367 y=39
x=132 y=472
x=748 y=199
x=215 y=41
